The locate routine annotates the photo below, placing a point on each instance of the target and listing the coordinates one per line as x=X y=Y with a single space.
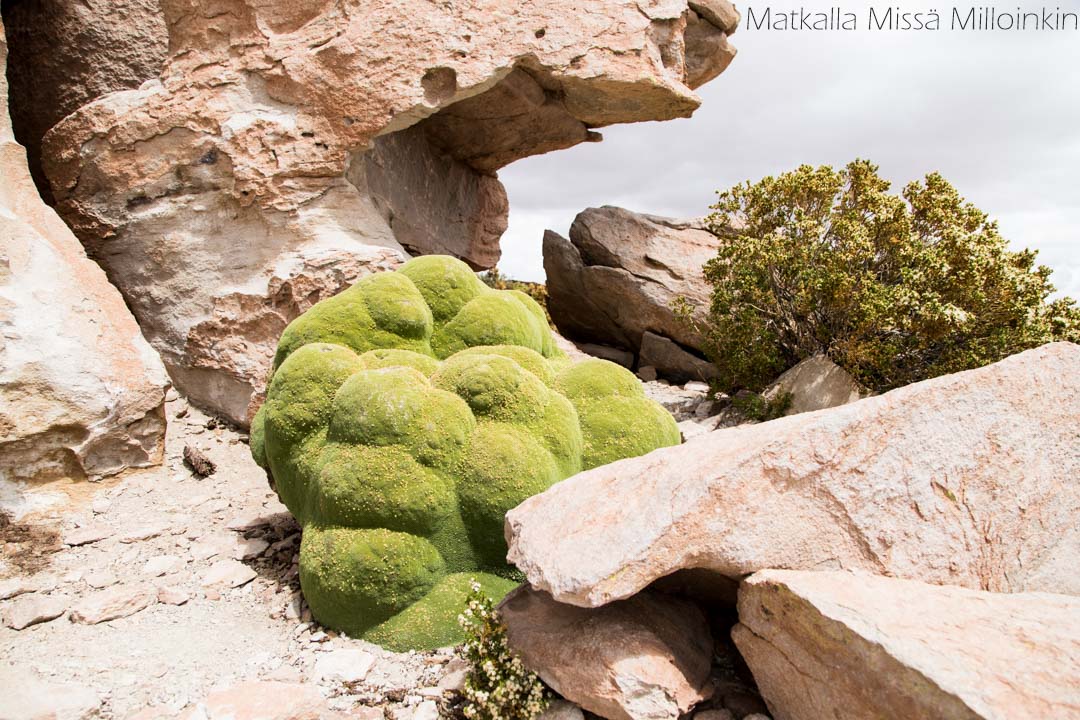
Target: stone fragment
x=351 y=665
x=99 y=579
x=265 y=700
x=967 y=479
x=114 y=603
x=247 y=548
x=645 y=658
x=835 y=644
x=815 y=384
x=672 y=360
x=27 y=697
x=81 y=392
x=34 y=609
x=720 y=13
x=228 y=573
x=562 y=710
x=87 y=535
x=144 y=532
x=172 y=595
x=162 y=565
x=427 y=710
x=19 y=585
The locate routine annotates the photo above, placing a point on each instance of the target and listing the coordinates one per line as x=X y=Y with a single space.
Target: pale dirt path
x=167 y=657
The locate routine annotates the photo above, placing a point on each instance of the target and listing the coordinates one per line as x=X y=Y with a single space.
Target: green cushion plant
x=404 y=417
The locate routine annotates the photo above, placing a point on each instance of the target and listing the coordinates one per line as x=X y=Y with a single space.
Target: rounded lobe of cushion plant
x=404 y=417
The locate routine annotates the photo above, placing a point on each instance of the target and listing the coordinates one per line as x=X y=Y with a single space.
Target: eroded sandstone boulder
x=967 y=479
x=65 y=53
x=619 y=277
x=839 y=645
x=81 y=392
x=282 y=132
x=646 y=658
x=816 y=383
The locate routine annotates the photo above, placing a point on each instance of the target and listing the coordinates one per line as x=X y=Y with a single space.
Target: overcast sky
x=997 y=113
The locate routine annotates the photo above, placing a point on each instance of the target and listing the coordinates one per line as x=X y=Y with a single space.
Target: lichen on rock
x=405 y=417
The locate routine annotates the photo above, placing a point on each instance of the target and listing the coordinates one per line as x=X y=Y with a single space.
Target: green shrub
x=498 y=686
x=405 y=417
x=895 y=289
x=493 y=278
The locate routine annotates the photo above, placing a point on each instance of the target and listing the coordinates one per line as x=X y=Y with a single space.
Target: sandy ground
x=168 y=535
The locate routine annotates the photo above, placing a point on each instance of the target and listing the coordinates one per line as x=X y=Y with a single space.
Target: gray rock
x=673 y=361
x=621 y=274
x=815 y=384
x=34 y=609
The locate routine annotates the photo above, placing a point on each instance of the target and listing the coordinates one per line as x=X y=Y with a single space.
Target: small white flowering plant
x=498 y=686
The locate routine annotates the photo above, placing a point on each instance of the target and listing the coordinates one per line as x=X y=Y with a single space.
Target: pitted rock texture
x=65 y=53
x=620 y=277
x=967 y=479
x=405 y=416
x=841 y=645
x=81 y=392
x=281 y=131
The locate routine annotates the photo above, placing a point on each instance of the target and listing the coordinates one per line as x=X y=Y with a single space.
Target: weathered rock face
x=646 y=658
x=81 y=391
x=281 y=132
x=816 y=383
x=838 y=645
x=65 y=53
x=619 y=276
x=967 y=479
x=672 y=361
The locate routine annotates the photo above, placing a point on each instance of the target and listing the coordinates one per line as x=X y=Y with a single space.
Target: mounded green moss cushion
x=404 y=417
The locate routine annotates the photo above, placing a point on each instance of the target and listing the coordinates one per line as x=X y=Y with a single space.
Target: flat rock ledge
x=967 y=479
x=839 y=645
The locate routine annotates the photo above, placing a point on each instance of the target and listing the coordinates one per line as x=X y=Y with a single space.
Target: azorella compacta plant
x=404 y=417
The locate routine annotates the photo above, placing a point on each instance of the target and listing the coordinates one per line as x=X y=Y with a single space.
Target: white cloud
x=997 y=113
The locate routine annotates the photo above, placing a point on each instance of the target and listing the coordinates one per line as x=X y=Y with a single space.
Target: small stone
x=146 y=532
x=294 y=608
x=172 y=596
x=251 y=521
x=207 y=548
x=695 y=386
x=704 y=410
x=100 y=506
x=25 y=697
x=722 y=714
x=454 y=679
x=344 y=665
x=87 y=535
x=34 y=609
x=563 y=710
x=13 y=587
x=250 y=548
x=647 y=373
x=99 y=579
x=261 y=701
x=113 y=604
x=162 y=565
x=318 y=637
x=228 y=573
x=171 y=395
x=212 y=594
x=426 y=710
